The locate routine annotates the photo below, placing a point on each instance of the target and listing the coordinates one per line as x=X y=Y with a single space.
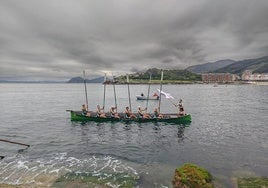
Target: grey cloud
x=59 y=39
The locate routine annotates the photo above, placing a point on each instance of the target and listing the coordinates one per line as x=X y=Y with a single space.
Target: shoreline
x=154 y=82
x=194 y=82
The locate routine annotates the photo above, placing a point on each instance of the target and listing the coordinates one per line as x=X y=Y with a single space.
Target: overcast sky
x=58 y=39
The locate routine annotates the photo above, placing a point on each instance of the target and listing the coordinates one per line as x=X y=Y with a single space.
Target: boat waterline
x=167 y=118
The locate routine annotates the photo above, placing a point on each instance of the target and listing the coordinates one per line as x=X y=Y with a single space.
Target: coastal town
x=246 y=77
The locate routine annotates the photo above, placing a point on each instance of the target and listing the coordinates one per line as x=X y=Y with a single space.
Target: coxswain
x=181 y=108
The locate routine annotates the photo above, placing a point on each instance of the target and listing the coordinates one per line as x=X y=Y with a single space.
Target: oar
x=148 y=92
x=129 y=101
x=115 y=102
x=1 y=140
x=104 y=91
x=162 y=75
x=85 y=88
x=172 y=102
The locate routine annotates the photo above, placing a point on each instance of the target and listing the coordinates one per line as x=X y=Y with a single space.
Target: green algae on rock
x=192 y=176
x=257 y=182
x=101 y=180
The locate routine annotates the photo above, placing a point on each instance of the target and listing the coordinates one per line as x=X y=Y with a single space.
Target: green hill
x=169 y=76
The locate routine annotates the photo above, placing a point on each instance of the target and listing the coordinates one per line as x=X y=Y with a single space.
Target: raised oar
x=170 y=100
x=148 y=92
x=115 y=102
x=85 y=88
x=129 y=101
x=104 y=90
x=1 y=140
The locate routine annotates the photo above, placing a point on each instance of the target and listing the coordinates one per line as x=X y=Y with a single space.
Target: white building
x=248 y=76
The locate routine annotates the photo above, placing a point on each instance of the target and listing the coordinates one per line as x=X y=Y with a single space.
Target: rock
x=192 y=176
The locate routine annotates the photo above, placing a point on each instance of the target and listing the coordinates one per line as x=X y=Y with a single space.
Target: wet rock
x=192 y=176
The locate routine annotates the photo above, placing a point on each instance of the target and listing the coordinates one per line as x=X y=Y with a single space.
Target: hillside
x=259 y=65
x=210 y=67
x=169 y=75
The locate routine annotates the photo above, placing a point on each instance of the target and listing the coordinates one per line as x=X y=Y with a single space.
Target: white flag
x=167 y=95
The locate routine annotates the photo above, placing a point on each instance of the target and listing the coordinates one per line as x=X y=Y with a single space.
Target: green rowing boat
x=167 y=118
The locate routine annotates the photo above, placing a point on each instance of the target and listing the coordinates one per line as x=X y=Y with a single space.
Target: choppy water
x=228 y=134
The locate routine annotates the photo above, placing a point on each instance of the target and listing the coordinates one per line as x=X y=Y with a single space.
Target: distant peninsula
x=81 y=80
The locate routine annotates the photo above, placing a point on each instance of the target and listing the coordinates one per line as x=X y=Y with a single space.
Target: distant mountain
x=259 y=65
x=76 y=80
x=210 y=67
x=81 y=80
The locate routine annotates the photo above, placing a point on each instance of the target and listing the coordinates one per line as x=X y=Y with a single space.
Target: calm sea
x=228 y=134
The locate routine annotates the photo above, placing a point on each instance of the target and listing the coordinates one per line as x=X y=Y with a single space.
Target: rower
x=156 y=95
x=84 y=110
x=157 y=114
x=114 y=113
x=100 y=112
x=129 y=114
x=141 y=114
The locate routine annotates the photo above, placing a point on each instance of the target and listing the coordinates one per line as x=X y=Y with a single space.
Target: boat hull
x=147 y=98
x=167 y=118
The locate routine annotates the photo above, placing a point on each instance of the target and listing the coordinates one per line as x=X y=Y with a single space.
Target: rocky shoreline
x=187 y=176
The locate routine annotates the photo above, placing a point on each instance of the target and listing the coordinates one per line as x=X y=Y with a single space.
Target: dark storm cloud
x=58 y=39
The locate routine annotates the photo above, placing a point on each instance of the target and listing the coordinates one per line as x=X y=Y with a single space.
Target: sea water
x=228 y=133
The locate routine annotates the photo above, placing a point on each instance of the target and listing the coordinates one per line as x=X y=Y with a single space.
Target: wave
x=18 y=170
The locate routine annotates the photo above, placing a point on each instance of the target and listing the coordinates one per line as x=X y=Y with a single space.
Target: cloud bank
x=56 y=40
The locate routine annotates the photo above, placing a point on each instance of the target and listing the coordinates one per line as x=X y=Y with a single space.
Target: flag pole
x=162 y=75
